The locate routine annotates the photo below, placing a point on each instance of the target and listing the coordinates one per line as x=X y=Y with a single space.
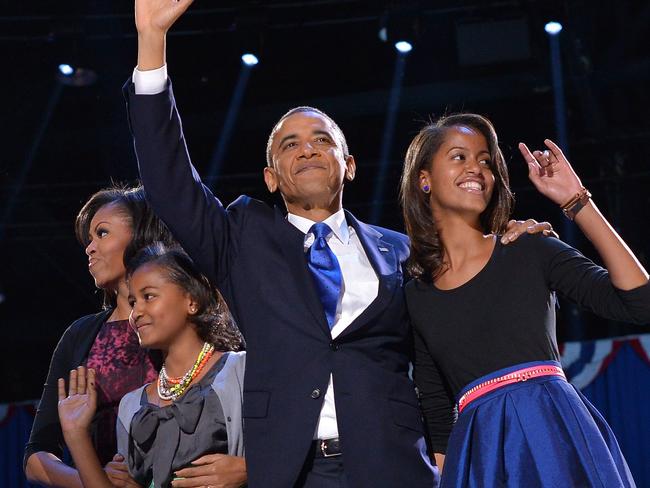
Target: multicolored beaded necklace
x=173 y=388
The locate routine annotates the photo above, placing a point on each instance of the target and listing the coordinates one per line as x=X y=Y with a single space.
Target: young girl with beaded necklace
x=194 y=408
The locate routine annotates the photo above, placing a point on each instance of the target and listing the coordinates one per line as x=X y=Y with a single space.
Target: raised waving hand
x=76 y=409
x=157 y=16
x=153 y=18
x=554 y=177
x=551 y=172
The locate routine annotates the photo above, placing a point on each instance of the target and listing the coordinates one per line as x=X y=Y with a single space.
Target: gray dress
x=205 y=420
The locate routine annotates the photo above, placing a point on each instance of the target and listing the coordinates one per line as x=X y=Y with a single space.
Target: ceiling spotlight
x=66 y=69
x=553 y=28
x=403 y=46
x=249 y=59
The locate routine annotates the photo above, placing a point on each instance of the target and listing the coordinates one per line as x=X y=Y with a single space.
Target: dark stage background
x=61 y=143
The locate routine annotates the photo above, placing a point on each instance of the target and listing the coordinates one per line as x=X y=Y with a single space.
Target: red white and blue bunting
x=584 y=361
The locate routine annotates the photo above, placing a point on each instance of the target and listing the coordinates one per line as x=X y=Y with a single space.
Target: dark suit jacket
x=256 y=258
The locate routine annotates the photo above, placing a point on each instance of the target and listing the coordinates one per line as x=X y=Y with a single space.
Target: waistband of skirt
x=506 y=376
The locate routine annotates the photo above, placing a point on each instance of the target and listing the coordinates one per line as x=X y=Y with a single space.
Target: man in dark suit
x=317 y=293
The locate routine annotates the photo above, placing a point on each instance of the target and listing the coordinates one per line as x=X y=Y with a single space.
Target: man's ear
x=271 y=179
x=350 y=167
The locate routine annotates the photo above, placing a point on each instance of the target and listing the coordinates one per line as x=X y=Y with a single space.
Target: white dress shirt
x=360 y=288
x=360 y=283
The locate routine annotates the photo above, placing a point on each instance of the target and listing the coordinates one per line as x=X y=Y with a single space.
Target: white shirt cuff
x=150 y=82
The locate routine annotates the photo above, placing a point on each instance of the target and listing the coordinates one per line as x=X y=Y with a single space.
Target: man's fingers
x=516 y=228
x=511 y=231
x=194 y=482
x=544 y=228
x=538 y=227
x=61 y=388
x=207 y=459
x=118 y=458
x=195 y=471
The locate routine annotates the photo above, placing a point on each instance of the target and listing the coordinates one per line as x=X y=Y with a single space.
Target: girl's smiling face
x=460 y=175
x=161 y=309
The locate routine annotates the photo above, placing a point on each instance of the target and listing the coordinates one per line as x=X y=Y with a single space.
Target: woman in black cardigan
x=112 y=226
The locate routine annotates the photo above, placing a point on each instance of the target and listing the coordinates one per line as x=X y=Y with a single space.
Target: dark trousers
x=321 y=472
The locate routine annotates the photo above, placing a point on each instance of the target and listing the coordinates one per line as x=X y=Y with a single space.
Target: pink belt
x=495 y=383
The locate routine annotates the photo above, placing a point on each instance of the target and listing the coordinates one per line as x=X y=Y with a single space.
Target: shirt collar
x=336 y=222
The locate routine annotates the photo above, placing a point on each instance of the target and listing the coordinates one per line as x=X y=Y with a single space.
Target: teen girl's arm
x=557 y=181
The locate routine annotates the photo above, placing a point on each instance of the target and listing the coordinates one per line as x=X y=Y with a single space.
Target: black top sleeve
x=70 y=352
x=436 y=400
x=46 y=432
x=583 y=282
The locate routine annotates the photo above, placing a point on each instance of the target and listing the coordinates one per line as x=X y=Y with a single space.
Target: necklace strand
x=170 y=388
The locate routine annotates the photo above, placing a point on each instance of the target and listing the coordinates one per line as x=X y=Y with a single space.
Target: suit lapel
x=292 y=244
x=383 y=260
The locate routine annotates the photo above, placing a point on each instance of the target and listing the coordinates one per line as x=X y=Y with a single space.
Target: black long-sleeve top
x=503 y=316
x=71 y=351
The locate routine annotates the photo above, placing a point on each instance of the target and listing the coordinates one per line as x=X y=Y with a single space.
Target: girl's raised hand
x=551 y=172
x=76 y=410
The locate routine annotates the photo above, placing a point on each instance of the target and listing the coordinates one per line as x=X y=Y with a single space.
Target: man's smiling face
x=307 y=159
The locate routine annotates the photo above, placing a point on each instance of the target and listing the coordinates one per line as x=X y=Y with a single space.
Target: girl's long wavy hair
x=213 y=321
x=427 y=252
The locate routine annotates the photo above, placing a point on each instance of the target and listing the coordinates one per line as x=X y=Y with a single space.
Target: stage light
x=66 y=69
x=403 y=46
x=249 y=59
x=77 y=77
x=553 y=28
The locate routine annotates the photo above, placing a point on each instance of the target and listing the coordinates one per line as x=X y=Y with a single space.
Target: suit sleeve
x=46 y=434
x=580 y=280
x=435 y=400
x=198 y=220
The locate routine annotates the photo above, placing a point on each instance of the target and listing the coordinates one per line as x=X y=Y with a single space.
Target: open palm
x=158 y=15
x=76 y=410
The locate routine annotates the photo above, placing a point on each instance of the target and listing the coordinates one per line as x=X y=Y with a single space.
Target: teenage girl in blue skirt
x=498 y=407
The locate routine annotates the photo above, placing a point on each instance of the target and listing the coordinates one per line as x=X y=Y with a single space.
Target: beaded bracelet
x=576 y=203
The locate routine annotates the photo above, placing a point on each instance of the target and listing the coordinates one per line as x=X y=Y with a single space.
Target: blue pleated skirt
x=537 y=433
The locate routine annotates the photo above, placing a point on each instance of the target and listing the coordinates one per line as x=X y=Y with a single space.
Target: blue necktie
x=325 y=270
